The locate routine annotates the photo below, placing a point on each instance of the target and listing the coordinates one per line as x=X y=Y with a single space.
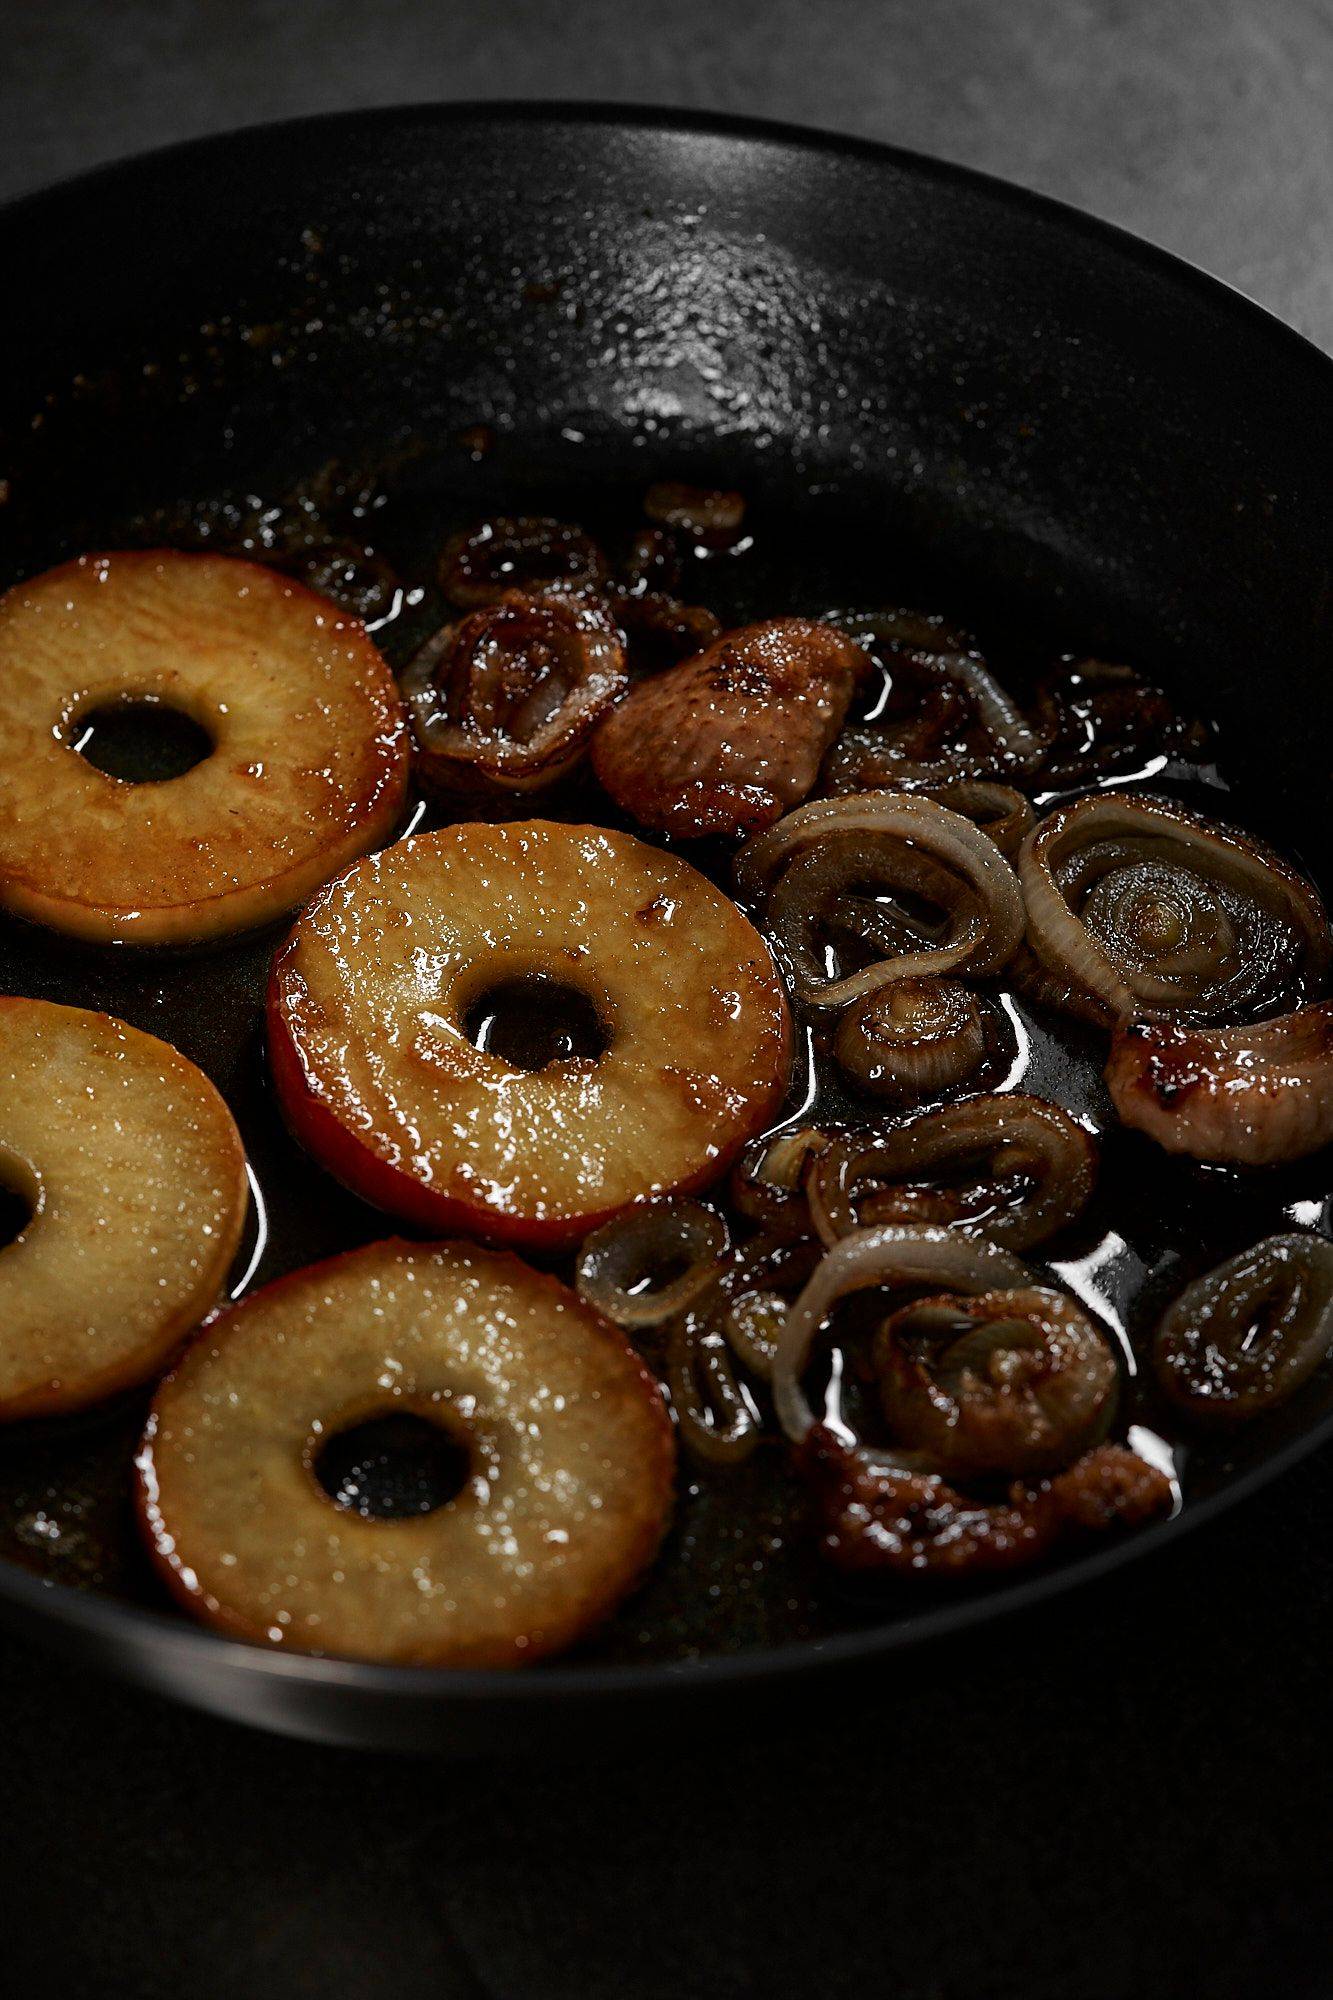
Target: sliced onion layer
x=867 y=873
x=916 y=1038
x=942 y=715
x=1246 y=1336
x=653 y=1262
x=1149 y=911
x=1012 y=1382
x=1009 y=1167
x=507 y=700
x=521 y=552
x=871 y=1258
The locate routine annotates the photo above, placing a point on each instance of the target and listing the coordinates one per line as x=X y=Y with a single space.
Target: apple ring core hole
x=139 y=740
x=534 y=1021
x=16 y=1211
x=20 y=1196
x=392 y=1466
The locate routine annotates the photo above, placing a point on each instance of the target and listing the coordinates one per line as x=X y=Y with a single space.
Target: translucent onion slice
x=1246 y=1336
x=507 y=700
x=1007 y=1166
x=717 y=1416
x=1012 y=1382
x=653 y=1262
x=885 y=1257
x=768 y=1180
x=522 y=552
x=1001 y=811
x=1154 y=912
x=710 y=516
x=915 y=1038
x=911 y=844
x=952 y=721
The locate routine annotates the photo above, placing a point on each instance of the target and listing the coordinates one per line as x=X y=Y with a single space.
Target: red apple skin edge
x=352 y=1162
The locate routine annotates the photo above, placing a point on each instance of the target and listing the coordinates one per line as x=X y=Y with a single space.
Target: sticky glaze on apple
x=306 y=742
x=126 y=1176
x=372 y=997
x=569 y=1446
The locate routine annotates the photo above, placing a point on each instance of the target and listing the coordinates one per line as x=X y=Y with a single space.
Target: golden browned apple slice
x=133 y=1177
x=307 y=767
x=417 y=1040
x=560 y=1500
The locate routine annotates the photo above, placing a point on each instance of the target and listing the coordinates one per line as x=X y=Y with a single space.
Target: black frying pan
x=1085 y=429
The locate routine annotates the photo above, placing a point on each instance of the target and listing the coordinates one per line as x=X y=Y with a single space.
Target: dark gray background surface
x=1122 y=1795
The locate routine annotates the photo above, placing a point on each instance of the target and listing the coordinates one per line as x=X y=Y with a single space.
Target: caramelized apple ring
x=308 y=767
x=567 y=1438
x=372 y=998
x=134 y=1176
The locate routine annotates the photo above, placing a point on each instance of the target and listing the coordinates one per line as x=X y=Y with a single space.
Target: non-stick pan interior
x=931 y=389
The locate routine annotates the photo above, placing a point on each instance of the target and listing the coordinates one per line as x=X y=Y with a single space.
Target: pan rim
x=35 y=1604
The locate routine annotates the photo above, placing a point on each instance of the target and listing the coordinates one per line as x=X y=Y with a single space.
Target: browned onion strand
x=944 y=715
x=1012 y=1382
x=1151 y=911
x=846 y=865
x=1009 y=1167
x=508 y=699
x=1038 y=1380
x=758 y=1292
x=1253 y=1096
x=652 y=563
x=517 y=552
x=712 y=517
x=768 y=1180
x=871 y=1258
x=717 y=1417
x=916 y=1038
x=884 y=1518
x=1098 y=716
x=354 y=576
x=660 y=631
x=1001 y=811
x=886 y=635
x=652 y=1263
x=1246 y=1336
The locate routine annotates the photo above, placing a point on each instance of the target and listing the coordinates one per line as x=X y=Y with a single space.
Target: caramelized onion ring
x=1250 y=1096
x=651 y=1263
x=1013 y=1382
x=808 y=869
x=507 y=699
x=956 y=723
x=889 y=633
x=760 y=1290
x=517 y=552
x=660 y=631
x=1243 y=1338
x=1008 y=1167
x=915 y=1038
x=1151 y=911
x=1099 y=716
x=768 y=1180
x=711 y=517
x=716 y=1415
x=869 y=1258
x=1001 y=811
x=881 y=1517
